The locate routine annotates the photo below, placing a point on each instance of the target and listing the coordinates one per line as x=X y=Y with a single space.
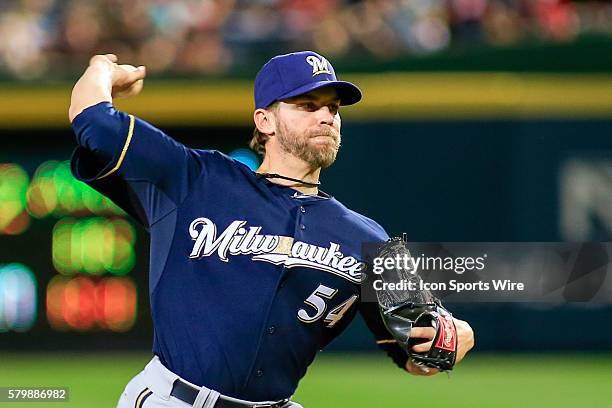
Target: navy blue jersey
x=248 y=279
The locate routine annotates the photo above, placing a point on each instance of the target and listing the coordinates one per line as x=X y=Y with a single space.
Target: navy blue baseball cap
x=289 y=75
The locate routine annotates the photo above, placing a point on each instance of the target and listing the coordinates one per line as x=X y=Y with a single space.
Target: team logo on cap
x=319 y=66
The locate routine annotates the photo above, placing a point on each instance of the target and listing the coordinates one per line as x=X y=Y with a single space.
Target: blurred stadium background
x=483 y=120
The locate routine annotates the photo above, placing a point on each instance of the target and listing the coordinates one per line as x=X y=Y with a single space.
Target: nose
x=326 y=116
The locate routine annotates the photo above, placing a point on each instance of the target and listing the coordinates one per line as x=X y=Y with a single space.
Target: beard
x=299 y=145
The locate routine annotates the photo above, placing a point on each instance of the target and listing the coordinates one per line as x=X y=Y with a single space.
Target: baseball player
x=251 y=273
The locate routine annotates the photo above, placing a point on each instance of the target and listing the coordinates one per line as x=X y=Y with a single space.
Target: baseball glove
x=402 y=310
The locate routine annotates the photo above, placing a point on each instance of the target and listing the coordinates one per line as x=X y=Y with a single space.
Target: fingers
x=127 y=80
x=423 y=347
x=423 y=333
x=132 y=73
x=111 y=59
x=103 y=59
x=137 y=74
x=140 y=73
x=421 y=370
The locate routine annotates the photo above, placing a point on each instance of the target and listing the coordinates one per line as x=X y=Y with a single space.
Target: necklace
x=274 y=175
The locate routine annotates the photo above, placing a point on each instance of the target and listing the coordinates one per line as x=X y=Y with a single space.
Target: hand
x=465 y=338
x=427 y=333
x=418 y=369
x=126 y=80
x=102 y=81
x=465 y=342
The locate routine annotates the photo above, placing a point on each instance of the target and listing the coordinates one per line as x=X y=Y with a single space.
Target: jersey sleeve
x=384 y=340
x=138 y=166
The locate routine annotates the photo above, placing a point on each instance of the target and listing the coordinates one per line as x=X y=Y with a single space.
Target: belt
x=188 y=394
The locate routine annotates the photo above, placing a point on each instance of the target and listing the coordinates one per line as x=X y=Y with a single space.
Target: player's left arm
x=465 y=342
x=371 y=315
x=370 y=311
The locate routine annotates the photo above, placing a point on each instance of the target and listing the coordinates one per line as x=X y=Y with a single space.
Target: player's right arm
x=104 y=79
x=137 y=165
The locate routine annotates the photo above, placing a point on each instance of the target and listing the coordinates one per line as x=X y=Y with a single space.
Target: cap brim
x=348 y=93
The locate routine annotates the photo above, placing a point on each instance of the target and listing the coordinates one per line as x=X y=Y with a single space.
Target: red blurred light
x=84 y=303
x=118 y=301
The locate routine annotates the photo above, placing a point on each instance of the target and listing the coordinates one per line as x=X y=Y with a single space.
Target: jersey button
x=302 y=209
x=302 y=227
x=259 y=373
x=271 y=329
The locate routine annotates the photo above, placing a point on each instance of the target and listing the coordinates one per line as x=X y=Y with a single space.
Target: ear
x=264 y=121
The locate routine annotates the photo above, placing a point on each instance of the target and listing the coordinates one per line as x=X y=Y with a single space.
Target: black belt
x=188 y=394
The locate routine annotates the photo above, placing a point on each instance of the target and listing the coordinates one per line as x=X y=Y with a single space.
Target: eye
x=333 y=108
x=306 y=106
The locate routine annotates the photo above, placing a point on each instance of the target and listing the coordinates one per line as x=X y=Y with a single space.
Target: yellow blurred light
x=41 y=197
x=93 y=246
x=42 y=194
x=55 y=191
x=13 y=186
x=61 y=248
x=19 y=224
x=92 y=243
x=76 y=246
x=120 y=259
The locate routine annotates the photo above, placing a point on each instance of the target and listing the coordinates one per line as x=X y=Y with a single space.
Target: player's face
x=309 y=126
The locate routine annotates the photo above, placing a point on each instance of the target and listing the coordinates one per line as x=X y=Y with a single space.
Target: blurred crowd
x=55 y=38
